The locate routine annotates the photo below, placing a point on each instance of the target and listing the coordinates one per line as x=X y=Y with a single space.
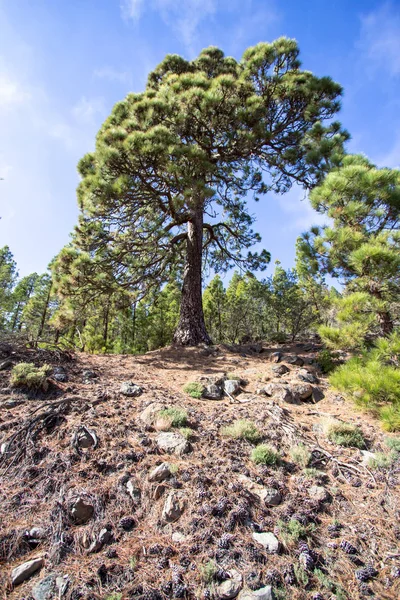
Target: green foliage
x=208 y=571
x=301 y=575
x=265 y=455
x=8 y=275
x=372 y=380
x=28 y=376
x=361 y=246
x=344 y=434
x=244 y=430
x=194 y=389
x=292 y=531
x=300 y=455
x=187 y=432
x=393 y=443
x=313 y=473
x=324 y=580
x=114 y=596
x=326 y=360
x=383 y=461
x=177 y=416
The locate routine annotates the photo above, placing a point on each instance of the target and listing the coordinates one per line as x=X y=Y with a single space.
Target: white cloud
x=86 y=110
x=12 y=94
x=184 y=17
x=131 y=9
x=380 y=39
x=301 y=216
x=113 y=75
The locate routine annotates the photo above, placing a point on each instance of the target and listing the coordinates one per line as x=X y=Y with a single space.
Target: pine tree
x=20 y=297
x=166 y=186
x=8 y=276
x=361 y=247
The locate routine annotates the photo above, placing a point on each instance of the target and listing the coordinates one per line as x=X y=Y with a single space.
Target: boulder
x=318 y=492
x=301 y=391
x=271 y=496
x=46 y=589
x=230 y=587
x=174 y=507
x=268 y=540
x=279 y=391
x=6 y=364
x=212 y=392
x=293 y=359
x=81 y=510
x=215 y=378
x=134 y=491
x=24 y=571
x=173 y=443
x=264 y=593
x=128 y=388
x=232 y=386
x=150 y=414
x=160 y=473
x=280 y=370
x=305 y=375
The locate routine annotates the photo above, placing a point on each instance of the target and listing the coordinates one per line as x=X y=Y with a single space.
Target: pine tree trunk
x=191 y=328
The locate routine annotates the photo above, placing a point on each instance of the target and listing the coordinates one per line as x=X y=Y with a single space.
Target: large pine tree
x=166 y=187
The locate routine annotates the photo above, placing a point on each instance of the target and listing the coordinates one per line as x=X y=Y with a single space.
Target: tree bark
x=191 y=329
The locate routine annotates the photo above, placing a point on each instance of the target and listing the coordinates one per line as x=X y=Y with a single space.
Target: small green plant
x=390 y=417
x=133 y=563
x=300 y=455
x=326 y=360
x=393 y=443
x=265 y=455
x=383 y=461
x=194 y=389
x=344 y=434
x=115 y=596
x=28 y=376
x=313 y=473
x=291 y=531
x=173 y=469
x=177 y=416
x=324 y=580
x=301 y=575
x=187 y=432
x=244 y=430
x=208 y=572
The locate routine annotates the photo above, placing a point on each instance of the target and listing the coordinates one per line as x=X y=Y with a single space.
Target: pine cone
x=366 y=573
x=347 y=547
x=225 y=541
x=179 y=590
x=127 y=523
x=307 y=561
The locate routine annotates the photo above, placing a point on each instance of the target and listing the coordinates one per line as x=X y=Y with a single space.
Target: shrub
x=383 y=461
x=291 y=531
x=393 y=443
x=31 y=377
x=300 y=455
x=344 y=434
x=326 y=360
x=187 y=432
x=313 y=473
x=194 y=389
x=242 y=429
x=176 y=416
x=208 y=571
x=372 y=381
x=265 y=455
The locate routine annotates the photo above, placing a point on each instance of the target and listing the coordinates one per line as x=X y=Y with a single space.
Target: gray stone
x=150 y=414
x=174 y=507
x=271 y=496
x=12 y=403
x=319 y=493
x=230 y=587
x=215 y=378
x=128 y=388
x=232 y=386
x=279 y=391
x=301 y=391
x=212 y=392
x=24 y=571
x=173 y=443
x=46 y=589
x=275 y=357
x=81 y=510
x=133 y=491
x=178 y=537
x=89 y=374
x=305 y=375
x=85 y=438
x=367 y=457
x=280 y=369
x=6 y=364
x=105 y=537
x=268 y=540
x=4 y=448
x=293 y=359
x=317 y=394
x=160 y=473
x=264 y=593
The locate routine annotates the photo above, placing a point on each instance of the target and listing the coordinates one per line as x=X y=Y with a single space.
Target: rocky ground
x=102 y=498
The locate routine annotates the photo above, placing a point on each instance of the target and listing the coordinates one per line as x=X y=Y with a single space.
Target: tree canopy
x=167 y=185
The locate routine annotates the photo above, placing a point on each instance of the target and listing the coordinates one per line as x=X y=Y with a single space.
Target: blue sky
x=64 y=64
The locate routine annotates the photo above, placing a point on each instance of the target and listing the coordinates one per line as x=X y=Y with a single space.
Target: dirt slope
x=346 y=515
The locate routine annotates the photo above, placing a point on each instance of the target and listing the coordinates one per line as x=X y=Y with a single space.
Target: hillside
x=79 y=490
